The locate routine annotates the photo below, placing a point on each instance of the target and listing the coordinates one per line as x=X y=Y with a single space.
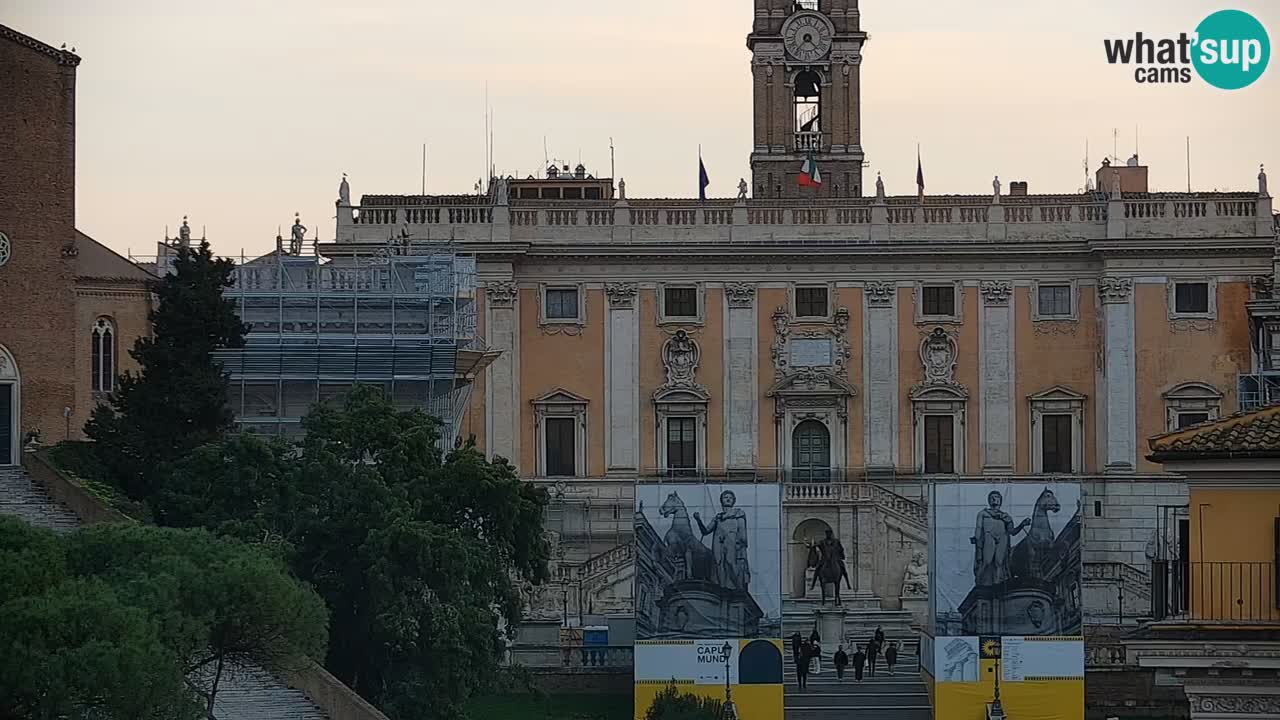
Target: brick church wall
x=37 y=213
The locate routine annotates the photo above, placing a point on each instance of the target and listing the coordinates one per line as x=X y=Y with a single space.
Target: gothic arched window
x=811 y=452
x=103 y=356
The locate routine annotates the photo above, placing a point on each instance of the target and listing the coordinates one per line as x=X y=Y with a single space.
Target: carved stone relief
x=680 y=356
x=1115 y=289
x=501 y=293
x=996 y=293
x=938 y=354
x=880 y=294
x=740 y=295
x=622 y=295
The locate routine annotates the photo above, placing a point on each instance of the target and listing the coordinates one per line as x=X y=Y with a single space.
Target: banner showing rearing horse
x=708 y=561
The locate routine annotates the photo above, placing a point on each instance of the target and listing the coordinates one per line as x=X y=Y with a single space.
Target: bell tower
x=806 y=58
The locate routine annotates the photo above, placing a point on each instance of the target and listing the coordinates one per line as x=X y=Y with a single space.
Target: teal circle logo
x=1232 y=49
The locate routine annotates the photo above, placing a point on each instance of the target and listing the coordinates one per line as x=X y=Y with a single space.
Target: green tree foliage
x=130 y=621
x=178 y=401
x=671 y=704
x=413 y=550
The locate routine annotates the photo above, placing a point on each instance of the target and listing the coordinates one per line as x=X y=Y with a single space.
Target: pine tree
x=178 y=400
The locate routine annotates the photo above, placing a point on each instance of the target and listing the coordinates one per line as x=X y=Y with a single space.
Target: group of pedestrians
x=807 y=655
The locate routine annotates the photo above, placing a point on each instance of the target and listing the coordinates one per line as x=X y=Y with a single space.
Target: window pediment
x=949 y=392
x=681 y=395
x=1193 y=391
x=812 y=383
x=560 y=397
x=1057 y=394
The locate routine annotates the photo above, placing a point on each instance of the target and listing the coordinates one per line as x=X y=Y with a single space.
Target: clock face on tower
x=807 y=36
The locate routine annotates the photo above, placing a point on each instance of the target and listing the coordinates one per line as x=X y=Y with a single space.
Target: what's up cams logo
x=1229 y=50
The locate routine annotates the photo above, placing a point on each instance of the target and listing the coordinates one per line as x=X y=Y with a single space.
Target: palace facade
x=847 y=344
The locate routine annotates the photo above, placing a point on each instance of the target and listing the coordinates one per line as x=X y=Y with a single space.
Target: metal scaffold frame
x=402 y=318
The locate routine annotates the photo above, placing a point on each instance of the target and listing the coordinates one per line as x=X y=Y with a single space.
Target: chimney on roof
x=1018 y=188
x=1133 y=177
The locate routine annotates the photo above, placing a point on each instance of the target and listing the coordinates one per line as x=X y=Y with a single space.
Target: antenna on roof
x=546 y=157
x=424 y=168
x=612 y=174
x=1188 y=163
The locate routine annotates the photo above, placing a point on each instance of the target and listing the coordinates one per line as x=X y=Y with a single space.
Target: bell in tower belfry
x=806 y=58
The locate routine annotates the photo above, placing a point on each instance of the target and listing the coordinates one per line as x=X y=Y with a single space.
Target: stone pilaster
x=742 y=416
x=622 y=379
x=503 y=377
x=880 y=368
x=1119 y=374
x=996 y=381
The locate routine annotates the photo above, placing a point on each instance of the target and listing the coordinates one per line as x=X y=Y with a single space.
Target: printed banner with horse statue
x=1007 y=559
x=708 y=561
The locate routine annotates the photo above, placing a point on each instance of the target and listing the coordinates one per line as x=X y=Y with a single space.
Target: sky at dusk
x=240 y=113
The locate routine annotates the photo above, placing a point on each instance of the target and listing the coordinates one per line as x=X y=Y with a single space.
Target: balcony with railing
x=808 y=141
x=1215 y=593
x=585 y=659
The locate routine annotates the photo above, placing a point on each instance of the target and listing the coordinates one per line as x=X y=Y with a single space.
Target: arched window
x=808 y=111
x=811 y=452
x=103 y=356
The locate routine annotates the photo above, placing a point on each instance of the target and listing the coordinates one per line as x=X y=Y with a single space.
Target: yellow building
x=1217 y=593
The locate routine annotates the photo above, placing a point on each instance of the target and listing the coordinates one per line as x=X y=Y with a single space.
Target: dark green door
x=6 y=425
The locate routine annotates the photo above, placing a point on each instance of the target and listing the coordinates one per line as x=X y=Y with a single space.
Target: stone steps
x=901 y=696
x=22 y=498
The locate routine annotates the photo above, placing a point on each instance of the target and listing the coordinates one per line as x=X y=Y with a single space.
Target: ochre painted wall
x=851 y=298
x=1231 y=525
x=1233 y=554
x=1169 y=353
x=910 y=373
x=1028 y=700
x=574 y=363
x=1058 y=352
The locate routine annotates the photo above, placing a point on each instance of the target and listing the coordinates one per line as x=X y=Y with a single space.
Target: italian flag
x=809 y=175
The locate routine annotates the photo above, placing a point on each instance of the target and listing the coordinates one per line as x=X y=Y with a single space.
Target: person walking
x=873 y=650
x=891 y=656
x=797 y=644
x=841 y=661
x=859 y=660
x=802 y=666
x=815 y=644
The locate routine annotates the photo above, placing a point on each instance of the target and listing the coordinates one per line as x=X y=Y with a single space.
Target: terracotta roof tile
x=1255 y=433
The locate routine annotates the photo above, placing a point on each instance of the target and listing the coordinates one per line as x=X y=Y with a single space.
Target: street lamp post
x=728 y=711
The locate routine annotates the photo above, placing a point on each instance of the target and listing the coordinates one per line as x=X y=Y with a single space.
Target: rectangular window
x=1187 y=419
x=562 y=304
x=811 y=302
x=1191 y=297
x=561 y=449
x=939 y=444
x=682 y=443
x=680 y=302
x=1055 y=300
x=939 y=301
x=1056 y=454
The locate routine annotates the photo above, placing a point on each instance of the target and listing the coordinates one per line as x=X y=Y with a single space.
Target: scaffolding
x=402 y=317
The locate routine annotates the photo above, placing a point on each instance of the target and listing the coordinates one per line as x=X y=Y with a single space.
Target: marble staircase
x=900 y=696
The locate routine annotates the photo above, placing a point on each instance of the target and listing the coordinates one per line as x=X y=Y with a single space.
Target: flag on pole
x=919 y=173
x=809 y=175
x=703 y=180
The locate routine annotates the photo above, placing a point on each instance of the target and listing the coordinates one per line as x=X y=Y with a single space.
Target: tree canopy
x=671 y=704
x=121 y=620
x=414 y=550
x=178 y=400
